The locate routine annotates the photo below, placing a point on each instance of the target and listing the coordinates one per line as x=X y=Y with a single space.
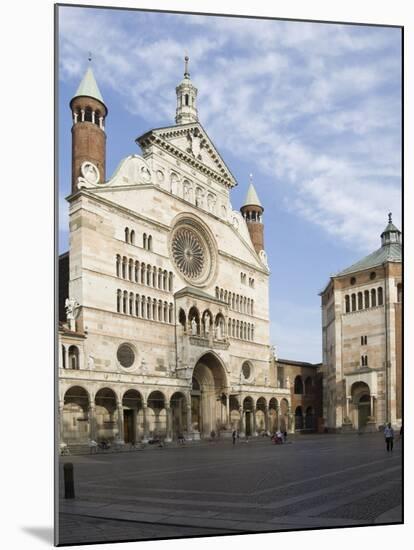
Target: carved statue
x=193 y=326
x=71 y=306
x=207 y=324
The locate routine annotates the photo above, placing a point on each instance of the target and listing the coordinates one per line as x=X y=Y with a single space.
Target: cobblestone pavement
x=215 y=488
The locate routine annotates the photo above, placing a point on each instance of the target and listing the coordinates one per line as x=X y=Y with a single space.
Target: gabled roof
x=164 y=137
x=196 y=292
x=88 y=87
x=387 y=253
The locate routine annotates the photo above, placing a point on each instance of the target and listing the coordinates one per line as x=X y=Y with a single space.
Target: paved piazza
x=215 y=488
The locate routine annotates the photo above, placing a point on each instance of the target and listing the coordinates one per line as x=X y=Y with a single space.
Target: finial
x=90 y=57
x=251 y=178
x=186 y=59
x=389 y=217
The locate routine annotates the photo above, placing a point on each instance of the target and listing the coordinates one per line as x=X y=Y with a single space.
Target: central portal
x=208 y=412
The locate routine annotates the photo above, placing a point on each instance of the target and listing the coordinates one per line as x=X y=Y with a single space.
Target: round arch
x=156 y=414
x=132 y=416
x=75 y=420
x=106 y=415
x=178 y=406
x=208 y=409
x=360 y=404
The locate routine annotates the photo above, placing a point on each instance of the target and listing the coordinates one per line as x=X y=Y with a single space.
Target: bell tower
x=186 y=99
x=252 y=212
x=88 y=130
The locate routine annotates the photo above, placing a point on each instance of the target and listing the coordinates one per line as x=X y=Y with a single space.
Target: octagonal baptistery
x=165 y=277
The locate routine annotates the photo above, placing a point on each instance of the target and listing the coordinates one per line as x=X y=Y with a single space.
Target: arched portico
x=208 y=411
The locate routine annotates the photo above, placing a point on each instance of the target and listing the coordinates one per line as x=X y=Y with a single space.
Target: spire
x=391 y=234
x=251 y=197
x=186 y=73
x=186 y=98
x=88 y=86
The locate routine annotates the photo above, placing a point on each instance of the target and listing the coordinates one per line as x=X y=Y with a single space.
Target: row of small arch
x=88 y=115
x=303 y=387
x=144 y=307
x=157 y=399
x=364 y=300
x=200 y=325
x=236 y=302
x=146 y=274
x=130 y=238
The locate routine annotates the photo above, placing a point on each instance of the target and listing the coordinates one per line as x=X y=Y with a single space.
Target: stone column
x=67 y=357
x=347 y=406
x=254 y=421
x=228 y=426
x=144 y=412
x=189 y=422
x=92 y=422
x=82 y=115
x=93 y=117
x=61 y=422
x=372 y=407
x=120 y=422
x=291 y=423
x=266 y=415
x=60 y=357
x=242 y=432
x=277 y=409
x=169 y=424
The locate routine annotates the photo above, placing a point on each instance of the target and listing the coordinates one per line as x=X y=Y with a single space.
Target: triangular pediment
x=190 y=143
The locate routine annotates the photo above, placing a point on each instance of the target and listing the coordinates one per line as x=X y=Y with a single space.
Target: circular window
x=192 y=251
x=353 y=280
x=246 y=370
x=125 y=355
x=189 y=253
x=372 y=275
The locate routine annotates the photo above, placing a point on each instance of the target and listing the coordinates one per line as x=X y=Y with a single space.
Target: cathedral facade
x=362 y=340
x=165 y=290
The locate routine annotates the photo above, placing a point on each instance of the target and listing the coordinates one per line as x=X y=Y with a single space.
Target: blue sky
x=313 y=110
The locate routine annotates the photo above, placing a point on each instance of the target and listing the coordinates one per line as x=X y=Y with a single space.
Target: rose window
x=188 y=253
x=192 y=252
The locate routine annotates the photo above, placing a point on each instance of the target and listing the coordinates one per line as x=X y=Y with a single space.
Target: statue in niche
x=193 y=326
x=207 y=324
x=91 y=362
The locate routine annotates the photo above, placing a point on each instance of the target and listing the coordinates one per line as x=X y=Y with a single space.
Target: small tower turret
x=186 y=99
x=391 y=234
x=252 y=212
x=88 y=131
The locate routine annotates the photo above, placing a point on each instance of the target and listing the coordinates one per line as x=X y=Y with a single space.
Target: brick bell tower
x=252 y=212
x=88 y=131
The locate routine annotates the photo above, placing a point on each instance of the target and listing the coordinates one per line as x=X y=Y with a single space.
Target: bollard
x=68 y=479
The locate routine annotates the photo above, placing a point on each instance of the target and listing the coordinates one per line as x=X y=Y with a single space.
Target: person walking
x=234 y=436
x=389 y=437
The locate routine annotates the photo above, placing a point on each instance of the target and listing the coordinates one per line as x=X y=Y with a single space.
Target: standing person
x=389 y=437
x=234 y=436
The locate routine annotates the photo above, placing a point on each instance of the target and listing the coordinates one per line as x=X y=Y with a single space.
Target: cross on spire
x=389 y=217
x=186 y=60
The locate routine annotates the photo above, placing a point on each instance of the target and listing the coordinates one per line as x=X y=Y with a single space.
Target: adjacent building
x=362 y=340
